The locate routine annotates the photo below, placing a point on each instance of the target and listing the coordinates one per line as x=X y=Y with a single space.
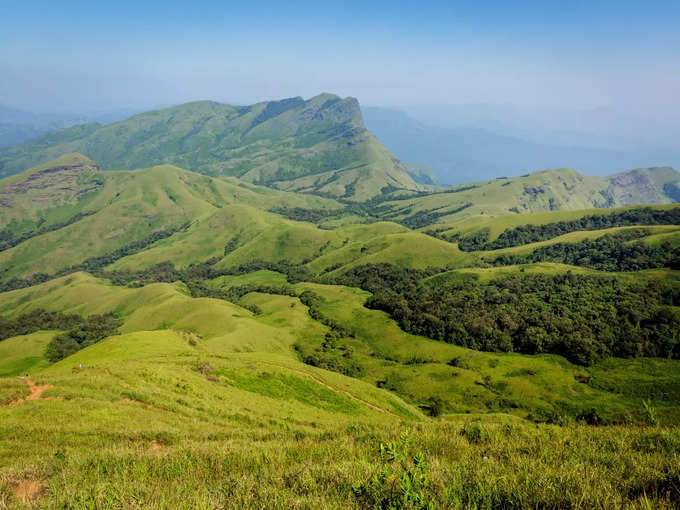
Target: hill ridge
x=318 y=145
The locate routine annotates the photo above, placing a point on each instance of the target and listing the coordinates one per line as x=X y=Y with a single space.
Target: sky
x=97 y=56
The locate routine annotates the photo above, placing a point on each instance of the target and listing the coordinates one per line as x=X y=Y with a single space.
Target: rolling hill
x=320 y=145
x=548 y=190
x=188 y=340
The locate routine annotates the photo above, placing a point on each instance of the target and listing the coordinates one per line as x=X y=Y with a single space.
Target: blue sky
x=72 y=55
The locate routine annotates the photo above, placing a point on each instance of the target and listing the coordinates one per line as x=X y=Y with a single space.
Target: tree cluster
x=79 y=331
x=611 y=252
x=526 y=234
x=583 y=318
x=88 y=331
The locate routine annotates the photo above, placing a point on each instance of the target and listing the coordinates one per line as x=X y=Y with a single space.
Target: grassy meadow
x=246 y=372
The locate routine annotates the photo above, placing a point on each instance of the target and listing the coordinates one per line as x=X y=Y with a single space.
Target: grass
x=656 y=232
x=186 y=417
x=166 y=419
x=496 y=224
x=201 y=451
x=24 y=354
x=130 y=206
x=201 y=403
x=416 y=368
x=540 y=197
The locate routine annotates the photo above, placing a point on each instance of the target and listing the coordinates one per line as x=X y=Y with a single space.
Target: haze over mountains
x=453 y=144
x=17 y=126
x=466 y=143
x=320 y=145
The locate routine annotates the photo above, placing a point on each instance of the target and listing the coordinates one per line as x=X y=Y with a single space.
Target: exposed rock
x=54 y=184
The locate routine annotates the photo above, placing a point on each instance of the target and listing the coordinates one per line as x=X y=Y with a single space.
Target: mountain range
x=214 y=306
x=320 y=145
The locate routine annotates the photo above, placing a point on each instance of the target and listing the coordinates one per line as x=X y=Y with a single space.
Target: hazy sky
x=72 y=55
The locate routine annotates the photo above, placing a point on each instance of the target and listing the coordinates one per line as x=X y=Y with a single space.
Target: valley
x=213 y=306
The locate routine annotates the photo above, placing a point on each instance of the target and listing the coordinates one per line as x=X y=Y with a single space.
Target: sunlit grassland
x=496 y=224
x=155 y=420
x=23 y=354
x=417 y=368
x=657 y=233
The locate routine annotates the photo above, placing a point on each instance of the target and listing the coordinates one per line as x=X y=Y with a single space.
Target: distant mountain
x=548 y=190
x=17 y=126
x=422 y=174
x=463 y=153
x=320 y=145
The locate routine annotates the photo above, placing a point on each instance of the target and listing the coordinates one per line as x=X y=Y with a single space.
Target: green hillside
x=180 y=340
x=320 y=145
x=125 y=209
x=549 y=190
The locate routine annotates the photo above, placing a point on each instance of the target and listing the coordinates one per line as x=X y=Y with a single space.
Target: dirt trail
x=335 y=390
x=138 y=402
x=35 y=392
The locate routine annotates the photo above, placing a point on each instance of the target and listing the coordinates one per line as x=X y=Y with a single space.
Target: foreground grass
x=475 y=463
x=168 y=419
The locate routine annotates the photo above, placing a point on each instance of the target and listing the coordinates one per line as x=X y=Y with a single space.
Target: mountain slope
x=63 y=212
x=548 y=190
x=318 y=145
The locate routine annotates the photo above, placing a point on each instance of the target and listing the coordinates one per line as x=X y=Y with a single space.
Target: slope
x=548 y=190
x=62 y=213
x=318 y=145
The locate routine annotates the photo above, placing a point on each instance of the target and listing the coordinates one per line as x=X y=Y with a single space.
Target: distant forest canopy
x=583 y=318
x=526 y=234
x=612 y=252
x=618 y=251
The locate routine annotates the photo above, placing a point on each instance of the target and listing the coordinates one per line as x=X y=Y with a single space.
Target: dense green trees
x=80 y=331
x=525 y=234
x=583 y=318
x=87 y=331
x=611 y=252
x=36 y=320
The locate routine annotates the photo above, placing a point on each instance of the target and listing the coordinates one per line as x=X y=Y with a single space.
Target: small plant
x=591 y=417
x=650 y=412
x=434 y=406
x=403 y=481
x=204 y=368
x=472 y=432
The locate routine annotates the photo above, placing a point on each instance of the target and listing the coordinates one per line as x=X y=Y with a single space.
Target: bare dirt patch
x=35 y=392
x=155 y=446
x=27 y=491
x=130 y=401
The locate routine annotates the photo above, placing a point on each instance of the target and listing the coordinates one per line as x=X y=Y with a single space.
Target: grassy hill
x=61 y=227
x=549 y=190
x=218 y=351
x=320 y=145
